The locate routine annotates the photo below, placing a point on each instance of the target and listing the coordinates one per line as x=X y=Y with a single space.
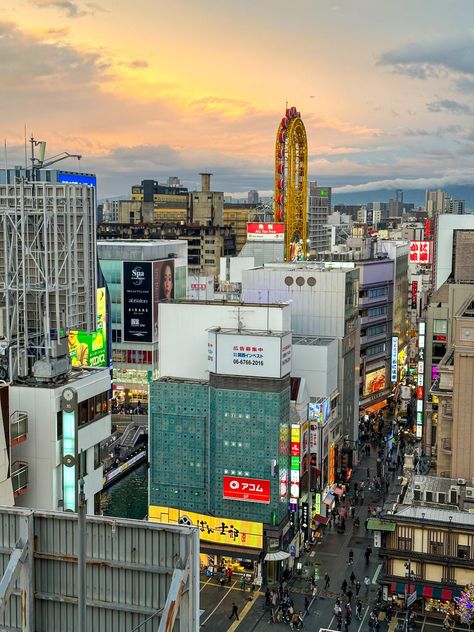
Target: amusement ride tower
x=291 y=176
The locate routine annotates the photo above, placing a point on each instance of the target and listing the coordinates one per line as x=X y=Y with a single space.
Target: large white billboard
x=249 y=355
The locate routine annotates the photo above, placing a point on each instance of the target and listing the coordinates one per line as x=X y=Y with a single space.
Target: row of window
x=374 y=311
x=375 y=292
x=375 y=330
x=375 y=349
x=132 y=356
x=93 y=408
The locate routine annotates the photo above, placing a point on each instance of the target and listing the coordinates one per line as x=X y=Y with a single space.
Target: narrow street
x=330 y=555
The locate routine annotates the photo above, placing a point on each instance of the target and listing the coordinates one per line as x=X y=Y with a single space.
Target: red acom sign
x=254 y=490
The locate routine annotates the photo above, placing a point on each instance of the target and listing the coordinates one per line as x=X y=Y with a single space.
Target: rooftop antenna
x=39 y=162
x=26 y=157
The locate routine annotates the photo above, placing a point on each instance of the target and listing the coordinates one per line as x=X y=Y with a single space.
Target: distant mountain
x=415 y=196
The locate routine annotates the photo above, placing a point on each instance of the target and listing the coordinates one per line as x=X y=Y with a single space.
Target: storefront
x=431 y=599
x=130 y=388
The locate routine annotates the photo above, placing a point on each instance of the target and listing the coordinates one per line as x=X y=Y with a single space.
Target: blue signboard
x=77 y=178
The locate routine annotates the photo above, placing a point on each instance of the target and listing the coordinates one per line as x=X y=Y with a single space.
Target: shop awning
x=234 y=552
x=328 y=499
x=276 y=556
x=428 y=591
x=320 y=519
x=374 y=524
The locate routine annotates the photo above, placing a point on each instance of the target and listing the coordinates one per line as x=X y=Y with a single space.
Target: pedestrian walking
x=306 y=606
x=357 y=588
x=349 y=595
x=315 y=592
x=359 y=609
x=368 y=553
x=368 y=474
x=351 y=558
x=367 y=584
x=234 y=612
x=353 y=578
x=242 y=582
x=344 y=586
x=327 y=581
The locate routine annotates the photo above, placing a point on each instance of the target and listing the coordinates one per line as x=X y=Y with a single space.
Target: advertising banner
x=394 y=360
x=163 y=288
x=249 y=355
x=212 y=528
x=137 y=301
x=320 y=412
x=264 y=231
x=374 y=381
x=90 y=348
x=255 y=490
x=420 y=252
x=414 y=294
x=200 y=288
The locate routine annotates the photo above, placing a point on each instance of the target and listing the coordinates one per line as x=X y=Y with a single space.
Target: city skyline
x=384 y=91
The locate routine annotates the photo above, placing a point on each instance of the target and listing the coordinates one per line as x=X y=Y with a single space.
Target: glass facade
x=199 y=434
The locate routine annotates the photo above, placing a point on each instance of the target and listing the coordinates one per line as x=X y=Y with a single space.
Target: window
x=377 y=311
x=376 y=330
x=59 y=425
x=440 y=327
x=211 y=261
x=378 y=291
x=116 y=335
x=404 y=544
x=375 y=349
x=93 y=408
x=97 y=461
x=436 y=548
x=464 y=551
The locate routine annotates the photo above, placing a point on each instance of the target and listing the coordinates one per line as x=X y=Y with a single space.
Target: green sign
x=87 y=349
x=295 y=462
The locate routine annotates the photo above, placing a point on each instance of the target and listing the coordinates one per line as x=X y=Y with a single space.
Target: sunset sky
x=152 y=88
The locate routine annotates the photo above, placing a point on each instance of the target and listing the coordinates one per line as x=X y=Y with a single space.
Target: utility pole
x=81 y=557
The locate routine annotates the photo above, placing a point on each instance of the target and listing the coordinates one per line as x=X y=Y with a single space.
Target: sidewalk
x=331 y=555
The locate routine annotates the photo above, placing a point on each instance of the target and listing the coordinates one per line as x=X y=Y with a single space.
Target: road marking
x=210 y=615
x=242 y=615
x=205 y=583
x=363 y=619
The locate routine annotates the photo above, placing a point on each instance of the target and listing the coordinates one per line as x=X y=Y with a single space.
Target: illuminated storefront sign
x=394 y=359
x=332 y=464
x=317 y=503
x=421 y=379
x=69 y=461
x=249 y=489
x=90 y=348
x=212 y=528
x=295 y=451
x=375 y=381
x=420 y=252
x=265 y=231
x=414 y=294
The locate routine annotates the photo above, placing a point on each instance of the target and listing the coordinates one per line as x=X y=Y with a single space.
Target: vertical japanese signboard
x=137 y=301
x=421 y=379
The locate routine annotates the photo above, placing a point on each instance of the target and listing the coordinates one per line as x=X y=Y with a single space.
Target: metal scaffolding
x=47 y=267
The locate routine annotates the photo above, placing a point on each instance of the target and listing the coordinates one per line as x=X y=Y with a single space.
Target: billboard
x=137 y=301
x=163 y=288
x=90 y=348
x=394 y=360
x=374 y=381
x=319 y=412
x=212 y=528
x=414 y=294
x=234 y=353
x=265 y=231
x=420 y=252
x=255 y=490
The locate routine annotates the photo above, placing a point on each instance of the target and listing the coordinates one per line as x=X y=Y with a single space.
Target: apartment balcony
x=446 y=445
x=365 y=301
x=19 y=476
x=372 y=340
x=18 y=427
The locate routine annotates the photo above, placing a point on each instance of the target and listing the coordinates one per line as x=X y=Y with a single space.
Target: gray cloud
x=72 y=9
x=464 y=84
x=449 y=179
x=448 y=105
x=432 y=58
x=138 y=63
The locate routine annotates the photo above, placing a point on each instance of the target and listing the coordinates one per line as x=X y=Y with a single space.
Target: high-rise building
x=455 y=207
x=252 y=197
x=318 y=210
x=435 y=202
x=58 y=416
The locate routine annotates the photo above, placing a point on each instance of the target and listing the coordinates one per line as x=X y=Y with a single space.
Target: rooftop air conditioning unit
x=417 y=486
x=461 y=481
x=470 y=492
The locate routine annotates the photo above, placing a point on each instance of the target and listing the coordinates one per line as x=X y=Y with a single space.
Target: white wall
x=183 y=332
x=236 y=266
x=42 y=451
x=447 y=224
x=315 y=310
x=318 y=365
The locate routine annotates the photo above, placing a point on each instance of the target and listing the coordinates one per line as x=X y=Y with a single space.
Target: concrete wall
x=42 y=449
x=318 y=365
x=444 y=243
x=183 y=331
